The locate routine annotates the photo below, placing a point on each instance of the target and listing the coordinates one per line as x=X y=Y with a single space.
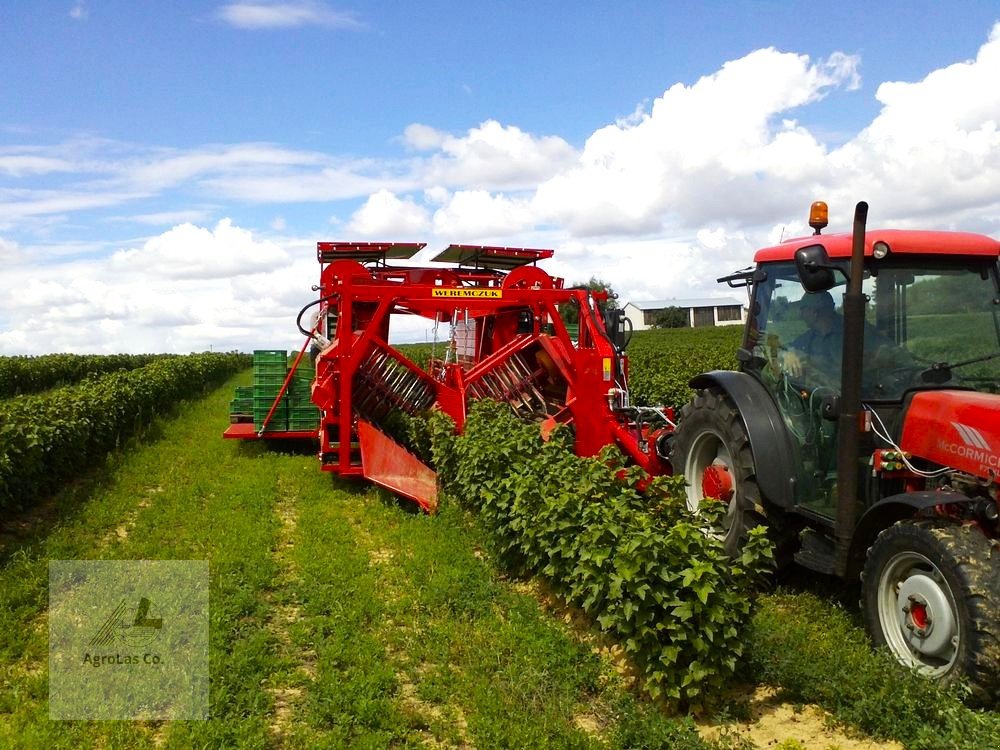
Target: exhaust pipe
x=848 y=500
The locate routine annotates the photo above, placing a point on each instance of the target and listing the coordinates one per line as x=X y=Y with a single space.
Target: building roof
x=660 y=304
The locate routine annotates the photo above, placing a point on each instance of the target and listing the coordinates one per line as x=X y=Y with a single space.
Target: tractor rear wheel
x=931 y=595
x=712 y=449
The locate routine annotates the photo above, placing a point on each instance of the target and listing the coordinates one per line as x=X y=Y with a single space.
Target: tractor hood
x=960 y=429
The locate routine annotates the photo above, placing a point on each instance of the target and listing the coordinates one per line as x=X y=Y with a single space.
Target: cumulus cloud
x=284 y=15
x=477 y=214
x=934 y=148
x=491 y=156
x=659 y=203
x=171 y=294
x=700 y=150
x=191 y=252
x=386 y=215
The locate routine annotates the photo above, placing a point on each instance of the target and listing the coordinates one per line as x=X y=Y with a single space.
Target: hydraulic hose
x=298 y=318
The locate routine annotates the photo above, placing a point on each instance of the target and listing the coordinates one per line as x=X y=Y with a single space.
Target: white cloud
x=284 y=15
x=386 y=215
x=170 y=218
x=659 y=203
x=491 y=156
x=19 y=165
x=79 y=11
x=169 y=295
x=295 y=186
x=9 y=251
x=190 y=252
x=476 y=214
x=934 y=147
x=423 y=137
x=701 y=150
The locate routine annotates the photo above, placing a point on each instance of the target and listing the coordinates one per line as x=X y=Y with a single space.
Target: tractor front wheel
x=711 y=448
x=930 y=594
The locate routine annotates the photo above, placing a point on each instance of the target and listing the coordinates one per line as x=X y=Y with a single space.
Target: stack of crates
x=303 y=415
x=269 y=370
x=241 y=407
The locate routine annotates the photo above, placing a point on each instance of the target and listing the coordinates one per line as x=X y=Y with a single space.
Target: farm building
x=700 y=312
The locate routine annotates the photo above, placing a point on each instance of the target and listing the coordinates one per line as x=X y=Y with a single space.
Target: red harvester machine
x=507 y=342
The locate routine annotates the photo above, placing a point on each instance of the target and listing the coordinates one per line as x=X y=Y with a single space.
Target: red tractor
x=863 y=429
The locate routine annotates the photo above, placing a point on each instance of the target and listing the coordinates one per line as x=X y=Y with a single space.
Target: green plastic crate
x=237 y=406
x=264 y=378
x=270 y=355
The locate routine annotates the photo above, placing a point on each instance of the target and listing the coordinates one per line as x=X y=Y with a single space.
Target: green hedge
x=21 y=374
x=639 y=563
x=51 y=437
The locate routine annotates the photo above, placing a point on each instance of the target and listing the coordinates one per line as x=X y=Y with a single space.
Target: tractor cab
x=931 y=321
x=863 y=430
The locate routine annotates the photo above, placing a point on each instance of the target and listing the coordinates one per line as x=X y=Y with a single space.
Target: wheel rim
x=918 y=614
x=709 y=470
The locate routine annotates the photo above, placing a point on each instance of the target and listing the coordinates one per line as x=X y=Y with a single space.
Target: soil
x=774 y=720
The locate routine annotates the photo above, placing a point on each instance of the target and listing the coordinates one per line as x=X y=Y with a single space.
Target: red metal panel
x=246 y=431
x=960 y=429
x=899 y=240
x=388 y=464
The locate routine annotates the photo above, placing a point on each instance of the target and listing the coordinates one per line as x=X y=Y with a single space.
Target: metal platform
x=367 y=252
x=484 y=256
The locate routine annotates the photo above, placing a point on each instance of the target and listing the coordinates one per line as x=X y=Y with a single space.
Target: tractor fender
x=885 y=513
x=773 y=455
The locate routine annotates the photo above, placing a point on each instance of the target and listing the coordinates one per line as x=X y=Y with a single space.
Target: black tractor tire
x=711 y=432
x=930 y=594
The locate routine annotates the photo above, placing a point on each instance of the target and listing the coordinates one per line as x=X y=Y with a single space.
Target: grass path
x=337 y=619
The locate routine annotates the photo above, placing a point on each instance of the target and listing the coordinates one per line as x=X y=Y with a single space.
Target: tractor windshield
x=927 y=323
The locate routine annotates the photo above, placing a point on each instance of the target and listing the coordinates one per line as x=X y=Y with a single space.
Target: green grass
x=338 y=619
x=817 y=653
x=341 y=620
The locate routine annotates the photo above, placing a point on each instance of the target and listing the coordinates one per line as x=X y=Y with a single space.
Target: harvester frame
x=509 y=342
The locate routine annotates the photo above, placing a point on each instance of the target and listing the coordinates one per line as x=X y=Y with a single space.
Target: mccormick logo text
x=468 y=293
x=974 y=446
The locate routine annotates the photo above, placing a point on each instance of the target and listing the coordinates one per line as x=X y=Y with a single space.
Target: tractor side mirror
x=815 y=269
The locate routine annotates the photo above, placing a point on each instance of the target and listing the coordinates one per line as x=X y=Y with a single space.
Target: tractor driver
x=817 y=350
x=815 y=355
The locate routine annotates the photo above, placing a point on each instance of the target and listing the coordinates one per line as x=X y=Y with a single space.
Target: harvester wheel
x=712 y=449
x=931 y=595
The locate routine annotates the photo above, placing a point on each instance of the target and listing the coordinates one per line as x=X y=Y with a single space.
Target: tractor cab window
x=798 y=336
x=927 y=324
x=932 y=324
x=795 y=341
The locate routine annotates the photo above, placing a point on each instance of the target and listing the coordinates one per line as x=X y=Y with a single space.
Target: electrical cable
x=884 y=435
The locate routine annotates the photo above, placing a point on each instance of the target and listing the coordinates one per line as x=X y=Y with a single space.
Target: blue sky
x=197 y=151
